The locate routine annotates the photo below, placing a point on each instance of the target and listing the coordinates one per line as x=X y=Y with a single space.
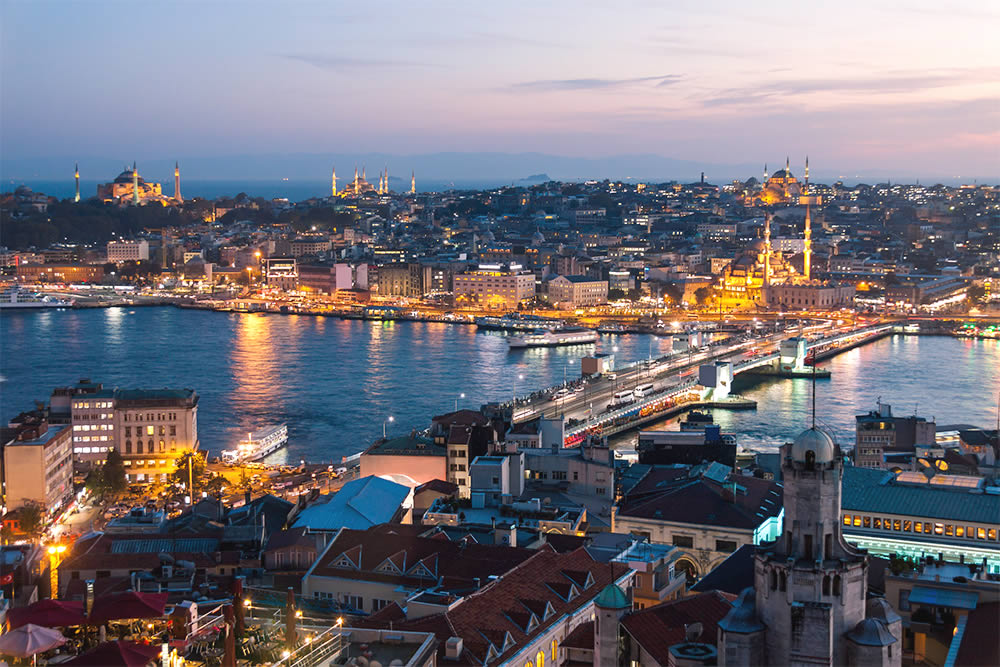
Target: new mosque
x=762 y=277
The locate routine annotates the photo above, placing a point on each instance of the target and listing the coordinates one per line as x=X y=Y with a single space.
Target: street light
x=513 y=399
x=387 y=421
x=456 y=401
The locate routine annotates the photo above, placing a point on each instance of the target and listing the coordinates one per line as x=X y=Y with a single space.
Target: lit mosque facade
x=762 y=277
x=131 y=188
x=360 y=187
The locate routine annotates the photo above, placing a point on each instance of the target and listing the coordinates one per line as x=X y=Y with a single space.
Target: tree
x=976 y=293
x=180 y=474
x=702 y=295
x=113 y=479
x=32 y=519
x=674 y=292
x=215 y=486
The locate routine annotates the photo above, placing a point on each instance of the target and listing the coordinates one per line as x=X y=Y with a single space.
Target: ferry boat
x=257 y=445
x=542 y=338
x=19 y=297
x=516 y=322
x=697 y=421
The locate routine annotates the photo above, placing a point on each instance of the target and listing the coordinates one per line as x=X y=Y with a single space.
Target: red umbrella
x=117 y=606
x=117 y=654
x=48 y=613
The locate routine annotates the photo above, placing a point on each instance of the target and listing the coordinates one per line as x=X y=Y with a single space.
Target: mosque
x=360 y=187
x=763 y=277
x=130 y=187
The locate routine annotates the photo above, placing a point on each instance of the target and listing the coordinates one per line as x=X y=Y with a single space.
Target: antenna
x=814 y=394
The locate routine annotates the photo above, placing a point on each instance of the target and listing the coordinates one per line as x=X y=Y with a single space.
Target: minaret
x=807 y=250
x=413 y=183
x=387 y=179
x=76 y=176
x=333 y=188
x=135 y=183
x=355 y=181
x=364 y=173
x=765 y=172
x=767 y=250
x=177 y=184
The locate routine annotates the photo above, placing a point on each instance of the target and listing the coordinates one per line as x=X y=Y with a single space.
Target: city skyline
x=908 y=88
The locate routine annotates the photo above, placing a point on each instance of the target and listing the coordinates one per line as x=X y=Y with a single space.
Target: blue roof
x=939 y=597
x=872 y=490
x=360 y=504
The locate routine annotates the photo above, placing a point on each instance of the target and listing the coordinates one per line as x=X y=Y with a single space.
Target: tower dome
x=813 y=446
x=612 y=597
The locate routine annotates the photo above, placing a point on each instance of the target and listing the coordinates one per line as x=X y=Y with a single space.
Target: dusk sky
x=853 y=84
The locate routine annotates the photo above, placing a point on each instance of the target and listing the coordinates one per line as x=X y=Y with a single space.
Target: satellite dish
x=692 y=632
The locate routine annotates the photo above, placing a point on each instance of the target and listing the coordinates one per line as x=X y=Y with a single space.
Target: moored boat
x=567 y=336
x=257 y=445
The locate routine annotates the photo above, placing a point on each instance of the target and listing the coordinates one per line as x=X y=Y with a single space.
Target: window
x=867 y=522
x=576 y=476
x=857 y=520
x=981 y=533
x=150 y=430
x=877 y=523
x=173 y=430
x=128 y=446
x=904 y=600
x=897 y=524
x=847 y=519
x=379 y=604
x=559 y=475
x=908 y=526
x=939 y=529
x=163 y=446
x=949 y=530
x=601 y=491
x=163 y=430
x=726 y=546
x=555 y=650
x=354 y=601
x=682 y=541
x=993 y=534
x=128 y=431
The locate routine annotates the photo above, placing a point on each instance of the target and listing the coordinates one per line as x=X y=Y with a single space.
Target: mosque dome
x=537 y=238
x=126 y=177
x=816 y=441
x=612 y=597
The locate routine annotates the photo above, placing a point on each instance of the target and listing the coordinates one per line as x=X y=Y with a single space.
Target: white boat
x=257 y=445
x=19 y=297
x=516 y=322
x=574 y=336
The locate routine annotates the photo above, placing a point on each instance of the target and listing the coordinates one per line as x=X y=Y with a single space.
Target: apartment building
x=577 y=291
x=494 y=286
x=37 y=464
x=149 y=427
x=127 y=251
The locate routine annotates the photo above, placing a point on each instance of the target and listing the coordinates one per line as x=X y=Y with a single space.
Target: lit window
x=993 y=534
x=949 y=530
x=959 y=531
x=939 y=529
x=150 y=430
x=897 y=525
x=857 y=520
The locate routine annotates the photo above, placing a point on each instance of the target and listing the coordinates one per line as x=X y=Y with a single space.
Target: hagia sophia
x=130 y=187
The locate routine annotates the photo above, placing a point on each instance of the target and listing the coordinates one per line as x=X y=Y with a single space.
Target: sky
x=856 y=84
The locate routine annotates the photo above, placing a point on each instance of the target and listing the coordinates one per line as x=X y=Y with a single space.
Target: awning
x=939 y=597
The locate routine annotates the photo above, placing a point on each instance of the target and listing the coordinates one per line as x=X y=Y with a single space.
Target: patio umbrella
x=49 y=614
x=118 y=606
x=28 y=640
x=117 y=654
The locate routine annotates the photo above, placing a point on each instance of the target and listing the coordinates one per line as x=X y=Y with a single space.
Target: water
x=336 y=382
x=293 y=190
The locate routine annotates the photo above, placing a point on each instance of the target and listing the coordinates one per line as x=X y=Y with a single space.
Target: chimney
x=88 y=600
x=453 y=648
x=246 y=496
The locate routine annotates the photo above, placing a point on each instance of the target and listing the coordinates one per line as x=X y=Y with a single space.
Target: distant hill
x=437 y=167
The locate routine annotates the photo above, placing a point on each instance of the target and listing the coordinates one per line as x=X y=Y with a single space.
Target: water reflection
x=334 y=382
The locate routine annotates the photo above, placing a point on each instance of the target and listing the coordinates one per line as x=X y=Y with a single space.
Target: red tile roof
x=704 y=502
x=496 y=617
x=658 y=628
x=979 y=643
x=416 y=562
x=582 y=636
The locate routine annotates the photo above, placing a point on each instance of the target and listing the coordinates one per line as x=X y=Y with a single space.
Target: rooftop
x=359 y=504
x=872 y=490
x=407 y=445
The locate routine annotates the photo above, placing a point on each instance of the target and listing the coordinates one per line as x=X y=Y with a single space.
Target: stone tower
x=609 y=607
x=810 y=584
